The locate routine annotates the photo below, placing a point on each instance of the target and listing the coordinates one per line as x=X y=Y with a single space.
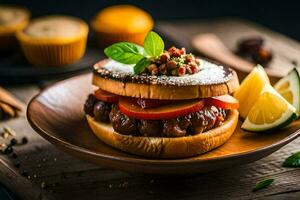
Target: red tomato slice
x=225 y=102
x=106 y=96
x=172 y=110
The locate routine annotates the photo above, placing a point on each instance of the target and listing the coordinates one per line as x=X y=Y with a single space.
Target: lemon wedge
x=250 y=89
x=289 y=88
x=270 y=111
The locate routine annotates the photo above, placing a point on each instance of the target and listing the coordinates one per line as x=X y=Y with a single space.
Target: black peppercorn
x=24 y=173
x=17 y=164
x=13 y=142
x=24 y=140
x=8 y=150
x=14 y=155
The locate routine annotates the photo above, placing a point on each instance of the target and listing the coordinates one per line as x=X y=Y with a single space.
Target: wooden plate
x=57 y=115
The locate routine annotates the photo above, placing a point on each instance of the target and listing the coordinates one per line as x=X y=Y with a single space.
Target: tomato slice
x=172 y=110
x=106 y=96
x=225 y=102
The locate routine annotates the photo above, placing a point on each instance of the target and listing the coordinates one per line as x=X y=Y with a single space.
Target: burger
x=161 y=103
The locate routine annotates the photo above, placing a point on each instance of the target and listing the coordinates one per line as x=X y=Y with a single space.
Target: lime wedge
x=289 y=88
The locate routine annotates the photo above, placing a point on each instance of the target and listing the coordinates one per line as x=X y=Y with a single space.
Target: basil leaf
x=125 y=52
x=262 y=184
x=141 y=65
x=293 y=160
x=153 y=44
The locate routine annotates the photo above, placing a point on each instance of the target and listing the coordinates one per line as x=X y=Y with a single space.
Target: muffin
x=121 y=23
x=12 y=19
x=54 y=40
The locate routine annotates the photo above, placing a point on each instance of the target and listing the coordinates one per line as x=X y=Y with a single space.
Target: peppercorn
x=13 y=142
x=17 y=164
x=24 y=140
x=24 y=173
x=14 y=155
x=8 y=150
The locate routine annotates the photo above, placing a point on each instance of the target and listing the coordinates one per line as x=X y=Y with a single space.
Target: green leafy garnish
x=129 y=53
x=141 y=65
x=153 y=44
x=293 y=160
x=262 y=184
x=125 y=52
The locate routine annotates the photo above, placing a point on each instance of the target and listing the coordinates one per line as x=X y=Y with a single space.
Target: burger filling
x=156 y=118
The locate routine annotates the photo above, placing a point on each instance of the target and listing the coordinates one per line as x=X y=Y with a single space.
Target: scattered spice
x=24 y=173
x=8 y=150
x=24 y=140
x=17 y=164
x=9 y=130
x=14 y=155
x=43 y=185
x=13 y=141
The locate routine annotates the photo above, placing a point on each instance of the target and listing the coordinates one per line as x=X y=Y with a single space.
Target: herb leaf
x=153 y=44
x=125 y=52
x=293 y=160
x=141 y=65
x=262 y=184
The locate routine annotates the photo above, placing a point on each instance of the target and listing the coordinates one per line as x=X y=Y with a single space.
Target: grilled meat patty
x=203 y=120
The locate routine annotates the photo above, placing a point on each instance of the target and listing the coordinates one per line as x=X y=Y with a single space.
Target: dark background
x=279 y=15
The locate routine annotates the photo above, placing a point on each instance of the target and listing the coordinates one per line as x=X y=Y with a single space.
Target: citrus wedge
x=270 y=111
x=250 y=89
x=289 y=88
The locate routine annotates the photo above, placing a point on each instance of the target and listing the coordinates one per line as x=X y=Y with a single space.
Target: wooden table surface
x=53 y=174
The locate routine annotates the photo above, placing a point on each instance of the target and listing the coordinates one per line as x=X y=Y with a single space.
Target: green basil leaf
x=293 y=160
x=262 y=184
x=153 y=44
x=125 y=52
x=141 y=65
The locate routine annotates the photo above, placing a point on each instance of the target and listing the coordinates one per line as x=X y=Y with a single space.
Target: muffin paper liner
x=44 y=54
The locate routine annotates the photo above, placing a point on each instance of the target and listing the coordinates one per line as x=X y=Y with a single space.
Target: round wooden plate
x=57 y=115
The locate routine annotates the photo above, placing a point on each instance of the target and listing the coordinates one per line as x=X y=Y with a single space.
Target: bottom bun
x=161 y=147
